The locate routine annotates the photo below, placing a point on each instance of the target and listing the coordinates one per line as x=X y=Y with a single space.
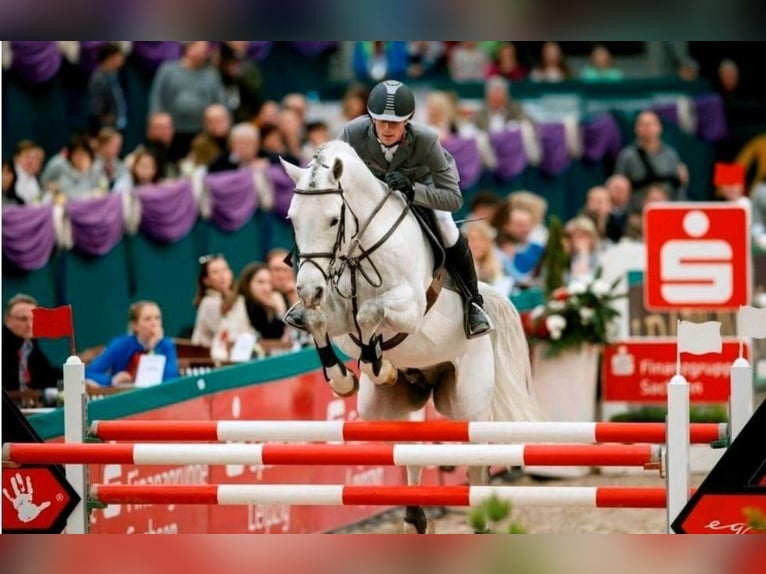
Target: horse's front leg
x=397 y=309
x=343 y=381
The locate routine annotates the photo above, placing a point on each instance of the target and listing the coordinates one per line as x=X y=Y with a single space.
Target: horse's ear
x=337 y=168
x=292 y=170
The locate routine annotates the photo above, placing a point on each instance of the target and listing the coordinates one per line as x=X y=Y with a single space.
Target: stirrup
x=294 y=316
x=481 y=326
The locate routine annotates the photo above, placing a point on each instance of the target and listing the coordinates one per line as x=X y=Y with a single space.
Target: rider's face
x=390 y=133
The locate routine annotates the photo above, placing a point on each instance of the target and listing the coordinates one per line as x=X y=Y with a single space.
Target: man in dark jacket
x=25 y=366
x=410 y=159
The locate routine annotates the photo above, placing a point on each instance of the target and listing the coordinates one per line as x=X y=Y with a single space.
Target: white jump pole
x=74 y=431
x=678 y=445
x=741 y=396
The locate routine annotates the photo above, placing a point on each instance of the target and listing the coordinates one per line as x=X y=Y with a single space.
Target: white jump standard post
x=678 y=445
x=74 y=431
x=741 y=396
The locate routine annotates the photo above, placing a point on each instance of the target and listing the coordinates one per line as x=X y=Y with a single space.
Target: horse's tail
x=513 y=398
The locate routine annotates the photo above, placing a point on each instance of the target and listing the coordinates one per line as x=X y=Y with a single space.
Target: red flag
x=52 y=323
x=728 y=174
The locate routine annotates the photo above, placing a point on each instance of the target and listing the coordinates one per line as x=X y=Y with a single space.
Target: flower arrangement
x=573 y=314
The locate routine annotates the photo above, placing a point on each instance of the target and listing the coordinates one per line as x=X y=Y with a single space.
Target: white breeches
x=447 y=228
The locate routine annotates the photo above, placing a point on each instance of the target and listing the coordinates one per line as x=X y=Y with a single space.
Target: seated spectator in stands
x=484 y=204
x=522 y=236
x=242 y=81
x=499 y=107
x=107 y=106
x=486 y=256
x=649 y=160
x=727 y=81
x=9 y=185
x=273 y=145
x=282 y=276
x=376 y=61
x=620 y=195
x=317 y=133
x=598 y=206
x=424 y=59
x=654 y=193
x=269 y=114
x=79 y=178
x=217 y=125
x=118 y=364
x=467 y=62
x=215 y=281
x=441 y=114
x=25 y=365
x=582 y=244
x=552 y=66
x=729 y=183
x=601 y=68
x=353 y=105
x=184 y=89
x=158 y=139
x=145 y=171
x=291 y=125
x=242 y=150
x=254 y=307
x=27 y=162
x=107 y=159
x=296 y=103
x=506 y=64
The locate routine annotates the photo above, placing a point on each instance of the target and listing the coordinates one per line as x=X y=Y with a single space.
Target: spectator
x=298 y=104
x=79 y=178
x=620 y=196
x=375 y=61
x=254 y=307
x=145 y=169
x=424 y=60
x=211 y=143
x=291 y=125
x=27 y=163
x=9 y=185
x=282 y=276
x=649 y=160
x=317 y=133
x=441 y=114
x=598 y=206
x=273 y=146
x=106 y=99
x=242 y=81
x=506 y=64
x=601 y=68
x=107 y=159
x=268 y=114
x=552 y=67
x=242 y=150
x=727 y=82
x=25 y=365
x=215 y=281
x=729 y=183
x=158 y=141
x=582 y=243
x=759 y=215
x=752 y=157
x=499 y=108
x=688 y=69
x=489 y=268
x=353 y=105
x=184 y=89
x=468 y=62
x=118 y=364
x=484 y=204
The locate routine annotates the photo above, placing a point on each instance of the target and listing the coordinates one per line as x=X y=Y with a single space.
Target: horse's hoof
x=348 y=387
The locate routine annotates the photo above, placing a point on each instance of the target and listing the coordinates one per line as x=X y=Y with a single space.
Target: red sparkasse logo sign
x=697 y=256
x=35 y=499
x=640 y=370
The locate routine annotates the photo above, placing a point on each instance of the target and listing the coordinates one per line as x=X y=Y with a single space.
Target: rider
x=410 y=159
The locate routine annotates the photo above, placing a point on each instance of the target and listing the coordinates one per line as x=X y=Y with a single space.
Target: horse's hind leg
x=415 y=519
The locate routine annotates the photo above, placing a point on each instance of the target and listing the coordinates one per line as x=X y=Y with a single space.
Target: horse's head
x=318 y=216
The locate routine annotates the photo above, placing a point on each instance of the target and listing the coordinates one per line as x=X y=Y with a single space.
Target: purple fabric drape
x=152 y=54
x=554 y=148
x=283 y=189
x=168 y=210
x=96 y=223
x=313 y=48
x=667 y=112
x=258 y=50
x=601 y=137
x=89 y=55
x=467 y=158
x=28 y=235
x=509 y=150
x=233 y=199
x=35 y=62
x=711 y=117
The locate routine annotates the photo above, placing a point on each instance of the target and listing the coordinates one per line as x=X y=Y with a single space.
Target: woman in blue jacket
x=118 y=363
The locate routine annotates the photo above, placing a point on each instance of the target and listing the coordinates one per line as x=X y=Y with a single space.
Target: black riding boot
x=294 y=316
x=460 y=264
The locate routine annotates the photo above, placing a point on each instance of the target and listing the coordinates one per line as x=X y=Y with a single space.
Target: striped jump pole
x=403 y=431
x=335 y=454
x=339 y=495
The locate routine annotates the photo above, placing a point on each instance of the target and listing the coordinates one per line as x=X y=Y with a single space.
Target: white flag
x=699 y=338
x=751 y=322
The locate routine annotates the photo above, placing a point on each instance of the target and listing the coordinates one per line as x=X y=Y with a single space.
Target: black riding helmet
x=391 y=101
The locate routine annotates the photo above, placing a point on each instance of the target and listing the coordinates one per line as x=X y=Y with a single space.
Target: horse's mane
x=326 y=153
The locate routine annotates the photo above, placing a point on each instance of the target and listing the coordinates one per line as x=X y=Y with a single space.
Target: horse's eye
x=334 y=221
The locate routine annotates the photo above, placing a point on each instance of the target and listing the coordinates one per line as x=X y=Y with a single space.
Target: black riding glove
x=397 y=180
